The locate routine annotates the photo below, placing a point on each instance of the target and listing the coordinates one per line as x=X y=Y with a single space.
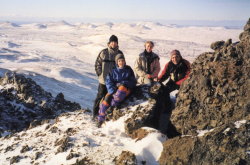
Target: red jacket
x=177 y=73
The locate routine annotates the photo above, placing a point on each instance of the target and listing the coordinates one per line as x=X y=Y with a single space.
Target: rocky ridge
x=40 y=131
x=25 y=104
x=215 y=101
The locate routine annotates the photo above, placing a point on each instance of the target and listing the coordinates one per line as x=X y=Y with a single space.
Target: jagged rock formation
x=223 y=145
x=215 y=98
x=141 y=114
x=23 y=103
x=218 y=90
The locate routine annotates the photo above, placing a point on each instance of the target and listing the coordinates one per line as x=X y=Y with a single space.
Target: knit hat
x=113 y=38
x=119 y=56
x=175 y=52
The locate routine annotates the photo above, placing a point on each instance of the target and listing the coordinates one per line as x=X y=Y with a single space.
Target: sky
x=212 y=10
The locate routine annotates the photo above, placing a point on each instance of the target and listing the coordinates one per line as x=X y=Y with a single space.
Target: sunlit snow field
x=61 y=56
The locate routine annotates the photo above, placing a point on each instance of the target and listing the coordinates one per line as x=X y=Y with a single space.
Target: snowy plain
x=60 y=57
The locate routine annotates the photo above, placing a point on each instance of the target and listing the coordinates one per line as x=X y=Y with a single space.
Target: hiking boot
x=94 y=118
x=99 y=124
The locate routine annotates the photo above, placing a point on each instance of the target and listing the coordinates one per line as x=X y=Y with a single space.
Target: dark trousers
x=163 y=111
x=102 y=91
x=163 y=107
x=171 y=86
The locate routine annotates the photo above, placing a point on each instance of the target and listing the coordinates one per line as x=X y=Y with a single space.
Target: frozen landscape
x=60 y=57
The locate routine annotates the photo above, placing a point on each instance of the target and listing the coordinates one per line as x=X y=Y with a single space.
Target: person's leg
x=120 y=95
x=166 y=109
x=165 y=112
x=102 y=91
x=161 y=97
x=104 y=106
x=171 y=86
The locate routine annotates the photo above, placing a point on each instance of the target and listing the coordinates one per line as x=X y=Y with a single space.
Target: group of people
x=117 y=80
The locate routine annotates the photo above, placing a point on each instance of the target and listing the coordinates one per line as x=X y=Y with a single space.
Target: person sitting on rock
x=177 y=69
x=119 y=84
x=147 y=65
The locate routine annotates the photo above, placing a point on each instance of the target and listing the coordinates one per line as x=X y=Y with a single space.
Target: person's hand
x=156 y=79
x=149 y=76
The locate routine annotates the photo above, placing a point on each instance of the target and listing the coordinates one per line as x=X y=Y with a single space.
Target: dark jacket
x=124 y=76
x=105 y=62
x=177 y=73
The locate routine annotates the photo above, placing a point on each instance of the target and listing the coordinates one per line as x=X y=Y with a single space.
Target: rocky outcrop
x=141 y=109
x=215 y=99
x=126 y=158
x=223 y=145
x=218 y=90
x=23 y=103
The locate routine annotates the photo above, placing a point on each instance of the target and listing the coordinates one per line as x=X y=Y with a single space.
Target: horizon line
x=224 y=23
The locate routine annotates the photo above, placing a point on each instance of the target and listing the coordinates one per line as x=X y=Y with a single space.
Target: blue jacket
x=124 y=76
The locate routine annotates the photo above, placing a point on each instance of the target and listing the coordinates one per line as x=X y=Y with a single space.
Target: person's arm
x=110 y=84
x=98 y=64
x=163 y=76
x=156 y=68
x=130 y=81
x=138 y=68
x=186 y=73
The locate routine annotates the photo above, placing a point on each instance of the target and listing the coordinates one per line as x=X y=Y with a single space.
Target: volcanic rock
x=217 y=91
x=25 y=104
x=126 y=158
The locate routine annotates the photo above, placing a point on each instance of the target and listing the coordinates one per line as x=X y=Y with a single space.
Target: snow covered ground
x=60 y=57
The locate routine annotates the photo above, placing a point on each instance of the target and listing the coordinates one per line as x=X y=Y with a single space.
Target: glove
x=118 y=84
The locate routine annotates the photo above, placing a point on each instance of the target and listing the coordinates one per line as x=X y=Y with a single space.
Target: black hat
x=113 y=38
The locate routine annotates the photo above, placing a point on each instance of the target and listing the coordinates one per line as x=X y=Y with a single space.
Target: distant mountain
x=8 y=24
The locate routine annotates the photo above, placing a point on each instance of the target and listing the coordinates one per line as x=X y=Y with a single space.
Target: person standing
x=147 y=65
x=104 y=63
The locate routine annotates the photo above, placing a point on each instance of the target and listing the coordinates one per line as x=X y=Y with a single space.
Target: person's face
x=175 y=59
x=149 y=47
x=121 y=63
x=113 y=44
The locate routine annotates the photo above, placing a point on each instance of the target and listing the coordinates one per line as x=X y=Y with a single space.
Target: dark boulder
x=223 y=145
